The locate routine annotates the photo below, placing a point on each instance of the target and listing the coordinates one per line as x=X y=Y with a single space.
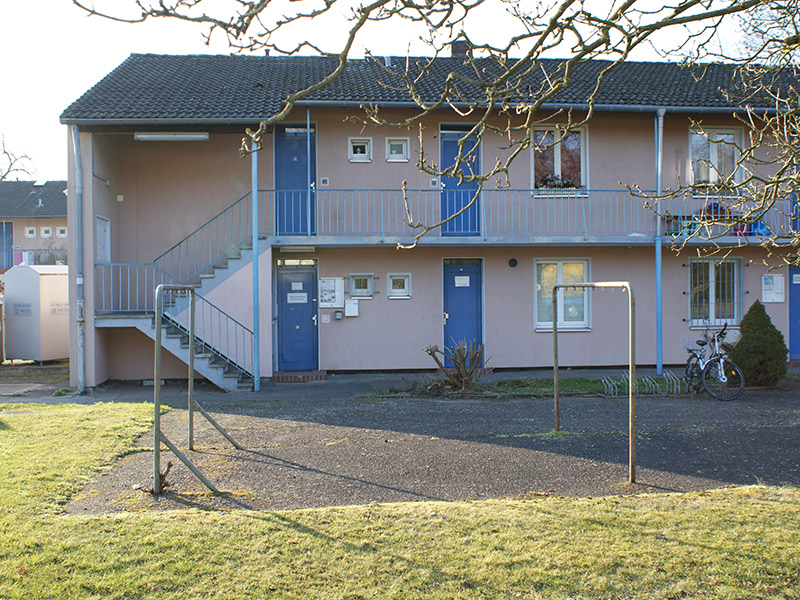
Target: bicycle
x=717 y=375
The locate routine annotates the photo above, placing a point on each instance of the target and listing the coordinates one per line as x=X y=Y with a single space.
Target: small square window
x=360 y=149
x=361 y=285
x=47 y=232
x=61 y=232
x=399 y=285
x=397 y=149
x=30 y=232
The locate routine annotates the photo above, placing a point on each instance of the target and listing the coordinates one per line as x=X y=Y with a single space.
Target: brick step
x=299 y=376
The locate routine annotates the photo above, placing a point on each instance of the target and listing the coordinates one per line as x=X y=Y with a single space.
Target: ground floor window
x=572 y=304
x=362 y=285
x=714 y=292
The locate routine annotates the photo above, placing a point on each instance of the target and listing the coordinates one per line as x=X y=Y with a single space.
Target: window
x=46 y=232
x=30 y=232
x=572 y=304
x=714 y=294
x=61 y=232
x=558 y=158
x=361 y=285
x=713 y=154
x=399 y=285
x=360 y=149
x=397 y=149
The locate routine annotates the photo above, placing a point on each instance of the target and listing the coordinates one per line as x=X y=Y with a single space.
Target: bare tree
x=503 y=72
x=12 y=166
x=754 y=194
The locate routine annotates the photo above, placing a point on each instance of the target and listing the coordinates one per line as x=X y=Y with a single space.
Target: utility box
x=37 y=313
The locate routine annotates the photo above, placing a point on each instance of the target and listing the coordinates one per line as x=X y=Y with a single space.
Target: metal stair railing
x=209 y=244
x=215 y=330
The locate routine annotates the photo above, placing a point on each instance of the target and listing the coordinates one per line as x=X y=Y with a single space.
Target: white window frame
x=406 y=142
x=393 y=293
x=46 y=232
x=61 y=232
x=30 y=232
x=369 y=292
x=713 y=320
x=584 y=132
x=712 y=133
x=363 y=157
x=561 y=324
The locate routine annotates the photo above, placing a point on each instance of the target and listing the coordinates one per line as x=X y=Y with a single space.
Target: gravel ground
x=315 y=445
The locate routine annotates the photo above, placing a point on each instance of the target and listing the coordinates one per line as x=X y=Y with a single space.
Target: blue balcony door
x=454 y=197
x=794 y=313
x=298 y=340
x=295 y=174
x=463 y=302
x=6 y=244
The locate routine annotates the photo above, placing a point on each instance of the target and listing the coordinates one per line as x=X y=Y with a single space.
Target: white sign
x=772 y=287
x=795 y=277
x=297 y=286
x=297 y=298
x=331 y=292
x=351 y=307
x=462 y=280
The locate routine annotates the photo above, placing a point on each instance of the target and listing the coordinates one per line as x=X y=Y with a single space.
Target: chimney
x=459 y=48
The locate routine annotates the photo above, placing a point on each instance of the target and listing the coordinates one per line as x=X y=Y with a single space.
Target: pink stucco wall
x=155 y=193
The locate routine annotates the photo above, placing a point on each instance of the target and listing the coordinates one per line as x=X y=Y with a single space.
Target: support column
x=658 y=241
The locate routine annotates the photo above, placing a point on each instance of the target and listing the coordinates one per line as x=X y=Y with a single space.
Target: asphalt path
x=327 y=444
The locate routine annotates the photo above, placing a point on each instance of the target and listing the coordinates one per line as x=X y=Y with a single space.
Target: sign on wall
x=772 y=285
x=331 y=292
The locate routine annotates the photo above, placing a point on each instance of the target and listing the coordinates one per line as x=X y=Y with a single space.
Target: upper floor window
x=61 y=232
x=713 y=154
x=46 y=232
x=360 y=149
x=30 y=232
x=397 y=149
x=559 y=158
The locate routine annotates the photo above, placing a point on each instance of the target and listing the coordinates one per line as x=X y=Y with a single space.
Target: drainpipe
x=308 y=170
x=659 y=225
x=256 y=322
x=79 y=299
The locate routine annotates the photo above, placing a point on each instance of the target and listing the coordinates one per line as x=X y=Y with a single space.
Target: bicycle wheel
x=692 y=374
x=725 y=383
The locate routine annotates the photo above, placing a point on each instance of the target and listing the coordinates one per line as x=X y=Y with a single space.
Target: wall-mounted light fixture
x=170 y=136
x=338 y=314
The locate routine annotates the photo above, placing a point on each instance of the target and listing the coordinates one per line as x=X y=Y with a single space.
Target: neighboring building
x=166 y=198
x=33 y=223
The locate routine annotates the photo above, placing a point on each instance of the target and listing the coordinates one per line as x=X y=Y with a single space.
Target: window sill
x=399 y=297
x=563 y=329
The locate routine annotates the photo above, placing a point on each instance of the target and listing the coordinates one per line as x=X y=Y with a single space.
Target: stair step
x=207 y=276
x=220 y=266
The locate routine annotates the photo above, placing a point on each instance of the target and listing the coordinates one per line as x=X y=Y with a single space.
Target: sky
x=51 y=52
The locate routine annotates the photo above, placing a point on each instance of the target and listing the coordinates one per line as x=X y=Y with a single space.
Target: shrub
x=761 y=351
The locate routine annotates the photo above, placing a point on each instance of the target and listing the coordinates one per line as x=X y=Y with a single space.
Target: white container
x=37 y=313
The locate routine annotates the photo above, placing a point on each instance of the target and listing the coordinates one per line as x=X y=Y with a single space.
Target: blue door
x=298 y=342
x=794 y=313
x=454 y=197
x=6 y=244
x=294 y=177
x=463 y=295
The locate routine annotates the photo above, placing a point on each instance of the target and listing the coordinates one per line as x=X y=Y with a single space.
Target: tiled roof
x=207 y=88
x=29 y=199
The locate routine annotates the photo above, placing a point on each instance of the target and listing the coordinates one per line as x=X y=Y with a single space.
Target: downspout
x=79 y=299
x=309 y=184
x=256 y=322
x=659 y=226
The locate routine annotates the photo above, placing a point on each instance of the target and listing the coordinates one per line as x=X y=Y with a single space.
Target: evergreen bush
x=761 y=351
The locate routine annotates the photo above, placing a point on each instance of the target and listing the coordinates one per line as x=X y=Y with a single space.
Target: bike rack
x=631 y=361
x=158 y=435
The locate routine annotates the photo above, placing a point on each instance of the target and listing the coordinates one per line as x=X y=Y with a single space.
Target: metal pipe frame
x=631 y=361
x=158 y=436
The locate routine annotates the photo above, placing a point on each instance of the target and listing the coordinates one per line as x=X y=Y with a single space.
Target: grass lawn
x=736 y=543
